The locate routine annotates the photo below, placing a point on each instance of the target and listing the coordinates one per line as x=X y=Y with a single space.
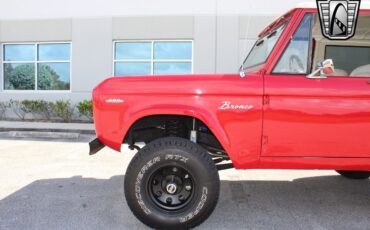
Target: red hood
x=214 y=84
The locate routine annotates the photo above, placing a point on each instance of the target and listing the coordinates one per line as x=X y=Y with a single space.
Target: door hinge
x=263 y=71
x=265 y=140
x=266 y=100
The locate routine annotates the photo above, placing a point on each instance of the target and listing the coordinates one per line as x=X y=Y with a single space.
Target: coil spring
x=175 y=128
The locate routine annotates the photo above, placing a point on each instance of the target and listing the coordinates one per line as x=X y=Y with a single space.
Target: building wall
x=222 y=32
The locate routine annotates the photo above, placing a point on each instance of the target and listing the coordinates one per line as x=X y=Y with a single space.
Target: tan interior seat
x=339 y=72
x=361 y=71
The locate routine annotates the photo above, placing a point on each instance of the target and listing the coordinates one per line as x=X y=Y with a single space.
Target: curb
x=48 y=135
x=80 y=131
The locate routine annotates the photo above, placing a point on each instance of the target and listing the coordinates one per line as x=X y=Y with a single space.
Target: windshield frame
x=283 y=24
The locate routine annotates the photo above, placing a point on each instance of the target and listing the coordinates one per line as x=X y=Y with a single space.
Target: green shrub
x=63 y=109
x=26 y=106
x=18 y=108
x=45 y=108
x=39 y=107
x=85 y=109
x=3 y=107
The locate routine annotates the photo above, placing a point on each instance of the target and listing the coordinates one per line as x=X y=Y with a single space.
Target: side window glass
x=356 y=66
x=351 y=57
x=295 y=57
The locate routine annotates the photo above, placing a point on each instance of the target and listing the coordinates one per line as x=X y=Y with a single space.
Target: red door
x=317 y=117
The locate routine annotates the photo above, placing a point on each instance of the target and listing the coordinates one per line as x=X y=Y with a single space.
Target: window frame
x=310 y=51
x=283 y=24
x=36 y=63
x=151 y=60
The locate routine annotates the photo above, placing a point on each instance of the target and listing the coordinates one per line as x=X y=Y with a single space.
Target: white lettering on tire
x=176 y=158
x=199 y=207
x=139 y=178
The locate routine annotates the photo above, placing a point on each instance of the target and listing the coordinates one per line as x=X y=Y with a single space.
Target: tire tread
x=199 y=152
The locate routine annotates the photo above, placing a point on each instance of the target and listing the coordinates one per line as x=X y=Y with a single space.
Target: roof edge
x=312 y=5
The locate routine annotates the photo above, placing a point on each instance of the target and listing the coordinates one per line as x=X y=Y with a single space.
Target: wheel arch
x=205 y=117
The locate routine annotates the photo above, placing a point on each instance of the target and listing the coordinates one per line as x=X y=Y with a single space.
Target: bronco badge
x=114 y=100
x=227 y=105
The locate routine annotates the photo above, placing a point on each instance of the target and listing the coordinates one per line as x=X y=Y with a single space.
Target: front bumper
x=95 y=146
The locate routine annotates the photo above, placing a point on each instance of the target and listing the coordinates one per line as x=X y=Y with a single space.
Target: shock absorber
x=193 y=132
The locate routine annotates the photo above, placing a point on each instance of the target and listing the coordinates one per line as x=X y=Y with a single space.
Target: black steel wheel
x=358 y=175
x=171 y=187
x=172 y=183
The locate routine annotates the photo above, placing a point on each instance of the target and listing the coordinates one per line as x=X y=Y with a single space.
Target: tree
x=8 y=69
x=22 y=77
x=48 y=79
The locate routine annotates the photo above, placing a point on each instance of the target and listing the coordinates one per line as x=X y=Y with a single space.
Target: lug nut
x=169 y=200
x=181 y=197
x=158 y=193
x=174 y=169
x=187 y=187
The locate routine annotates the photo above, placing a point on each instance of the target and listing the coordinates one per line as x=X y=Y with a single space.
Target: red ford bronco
x=288 y=108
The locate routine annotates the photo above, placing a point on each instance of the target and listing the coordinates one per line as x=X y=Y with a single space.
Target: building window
x=153 y=57
x=37 y=66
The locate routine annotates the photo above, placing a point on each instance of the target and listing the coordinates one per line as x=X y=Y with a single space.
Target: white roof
x=364 y=5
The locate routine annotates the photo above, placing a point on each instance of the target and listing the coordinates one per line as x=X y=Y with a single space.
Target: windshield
x=262 y=48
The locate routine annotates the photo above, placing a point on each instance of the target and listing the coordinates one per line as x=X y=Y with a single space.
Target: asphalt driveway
x=56 y=185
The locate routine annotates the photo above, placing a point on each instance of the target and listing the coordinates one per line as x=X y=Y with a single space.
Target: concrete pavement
x=56 y=185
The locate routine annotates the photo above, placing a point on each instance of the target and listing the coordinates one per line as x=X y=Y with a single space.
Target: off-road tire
x=358 y=175
x=178 y=153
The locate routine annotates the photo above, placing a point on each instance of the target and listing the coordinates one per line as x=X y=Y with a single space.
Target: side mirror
x=327 y=67
x=324 y=68
x=242 y=73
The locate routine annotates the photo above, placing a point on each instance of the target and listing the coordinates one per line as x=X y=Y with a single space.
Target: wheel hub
x=171 y=188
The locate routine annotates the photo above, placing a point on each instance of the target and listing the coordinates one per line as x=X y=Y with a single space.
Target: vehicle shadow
x=327 y=202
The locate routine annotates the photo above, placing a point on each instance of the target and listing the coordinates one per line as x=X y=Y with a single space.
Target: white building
x=62 y=49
